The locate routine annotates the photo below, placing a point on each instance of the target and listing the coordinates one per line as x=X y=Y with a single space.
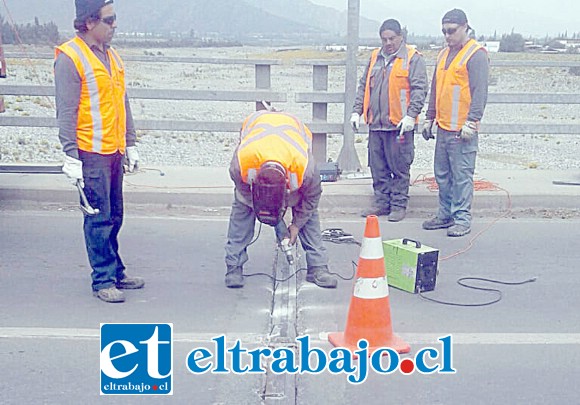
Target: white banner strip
x=371 y=288
x=372 y=248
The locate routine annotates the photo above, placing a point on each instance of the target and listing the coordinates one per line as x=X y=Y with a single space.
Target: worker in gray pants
x=272 y=169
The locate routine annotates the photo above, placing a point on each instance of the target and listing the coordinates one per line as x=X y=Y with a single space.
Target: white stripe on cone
x=371 y=288
x=372 y=248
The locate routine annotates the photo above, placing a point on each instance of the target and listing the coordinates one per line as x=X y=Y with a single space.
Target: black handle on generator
x=417 y=243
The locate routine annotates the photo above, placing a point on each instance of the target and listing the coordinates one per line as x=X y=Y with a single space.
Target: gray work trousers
x=454 y=167
x=390 y=163
x=241 y=232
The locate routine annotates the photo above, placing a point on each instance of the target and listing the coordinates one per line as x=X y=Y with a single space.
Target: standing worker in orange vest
x=96 y=130
x=273 y=168
x=390 y=97
x=457 y=102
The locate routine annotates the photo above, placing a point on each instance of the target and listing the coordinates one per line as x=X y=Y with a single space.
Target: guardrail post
x=263 y=80
x=2 y=71
x=348 y=159
x=319 y=111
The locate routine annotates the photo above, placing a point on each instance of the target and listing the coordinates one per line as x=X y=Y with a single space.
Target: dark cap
x=455 y=16
x=86 y=8
x=392 y=25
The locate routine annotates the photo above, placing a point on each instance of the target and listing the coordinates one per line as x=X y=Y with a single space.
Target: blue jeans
x=241 y=232
x=390 y=163
x=454 y=168
x=103 y=176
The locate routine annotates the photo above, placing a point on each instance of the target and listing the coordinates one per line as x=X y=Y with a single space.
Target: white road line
x=94 y=334
x=520 y=338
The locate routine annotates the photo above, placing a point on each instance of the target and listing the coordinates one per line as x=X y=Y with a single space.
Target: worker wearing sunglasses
x=96 y=131
x=457 y=102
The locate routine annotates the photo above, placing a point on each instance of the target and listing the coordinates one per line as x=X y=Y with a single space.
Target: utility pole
x=348 y=159
x=2 y=70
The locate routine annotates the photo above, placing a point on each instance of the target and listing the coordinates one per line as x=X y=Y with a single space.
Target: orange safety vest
x=453 y=95
x=274 y=136
x=101 y=123
x=399 y=88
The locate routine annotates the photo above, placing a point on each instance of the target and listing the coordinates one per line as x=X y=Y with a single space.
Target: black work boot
x=375 y=210
x=397 y=215
x=320 y=276
x=235 y=277
x=438 y=223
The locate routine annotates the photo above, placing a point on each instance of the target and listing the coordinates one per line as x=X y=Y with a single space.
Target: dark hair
x=392 y=25
x=81 y=24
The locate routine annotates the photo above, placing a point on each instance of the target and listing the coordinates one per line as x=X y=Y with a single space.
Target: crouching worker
x=273 y=168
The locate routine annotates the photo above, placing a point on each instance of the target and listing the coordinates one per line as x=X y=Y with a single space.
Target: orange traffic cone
x=369 y=314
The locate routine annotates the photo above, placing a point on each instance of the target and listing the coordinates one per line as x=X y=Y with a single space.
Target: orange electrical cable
x=478 y=185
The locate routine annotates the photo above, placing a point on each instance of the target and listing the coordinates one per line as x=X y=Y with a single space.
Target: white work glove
x=427 y=131
x=132 y=158
x=468 y=130
x=407 y=124
x=73 y=168
x=354 y=121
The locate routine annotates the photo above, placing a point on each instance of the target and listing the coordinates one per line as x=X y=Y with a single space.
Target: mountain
x=228 y=18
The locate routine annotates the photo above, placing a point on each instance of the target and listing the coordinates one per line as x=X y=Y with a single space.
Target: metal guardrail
x=319 y=98
x=430 y=63
x=160 y=59
x=301 y=97
x=492 y=98
x=164 y=125
x=303 y=62
x=315 y=127
x=162 y=94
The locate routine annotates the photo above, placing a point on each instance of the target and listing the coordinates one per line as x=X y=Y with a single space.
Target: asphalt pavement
x=523 y=349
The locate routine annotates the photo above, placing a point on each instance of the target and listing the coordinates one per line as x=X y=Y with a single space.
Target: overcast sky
x=527 y=17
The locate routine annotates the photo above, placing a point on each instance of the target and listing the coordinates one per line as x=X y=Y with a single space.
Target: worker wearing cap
x=96 y=130
x=390 y=97
x=457 y=102
x=272 y=169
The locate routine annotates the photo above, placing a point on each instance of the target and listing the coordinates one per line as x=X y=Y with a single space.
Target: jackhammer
x=283 y=237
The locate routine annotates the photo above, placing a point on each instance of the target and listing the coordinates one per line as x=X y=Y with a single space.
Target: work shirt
x=67 y=94
x=379 y=103
x=304 y=201
x=478 y=69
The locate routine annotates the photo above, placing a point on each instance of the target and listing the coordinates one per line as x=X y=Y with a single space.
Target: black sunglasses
x=449 y=31
x=110 y=20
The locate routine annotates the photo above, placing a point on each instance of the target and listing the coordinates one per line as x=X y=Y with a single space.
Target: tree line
x=35 y=33
x=515 y=42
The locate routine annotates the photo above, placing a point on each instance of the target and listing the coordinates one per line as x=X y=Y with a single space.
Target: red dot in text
x=407 y=366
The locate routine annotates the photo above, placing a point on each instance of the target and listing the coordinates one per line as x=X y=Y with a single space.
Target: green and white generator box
x=410 y=266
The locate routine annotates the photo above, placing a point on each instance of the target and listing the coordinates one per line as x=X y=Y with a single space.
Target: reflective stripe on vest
x=399 y=88
x=101 y=122
x=274 y=136
x=453 y=98
x=367 y=113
